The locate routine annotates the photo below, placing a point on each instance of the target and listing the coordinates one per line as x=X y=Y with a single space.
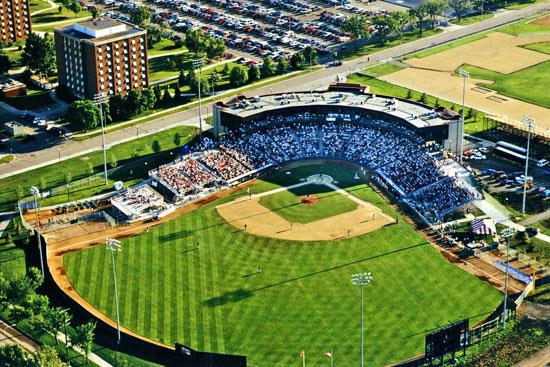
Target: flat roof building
x=15 y=20
x=102 y=56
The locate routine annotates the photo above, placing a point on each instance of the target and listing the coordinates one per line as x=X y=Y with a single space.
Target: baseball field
x=215 y=286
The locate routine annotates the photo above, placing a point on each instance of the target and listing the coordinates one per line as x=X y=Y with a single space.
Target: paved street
x=310 y=81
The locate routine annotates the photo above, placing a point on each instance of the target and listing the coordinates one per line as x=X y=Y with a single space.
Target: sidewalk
x=540 y=359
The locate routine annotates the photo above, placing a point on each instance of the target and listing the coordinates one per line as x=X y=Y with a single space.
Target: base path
x=248 y=214
x=309 y=81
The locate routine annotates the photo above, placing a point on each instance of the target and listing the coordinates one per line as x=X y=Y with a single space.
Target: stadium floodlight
x=100 y=99
x=465 y=75
x=36 y=194
x=506 y=233
x=361 y=280
x=114 y=246
x=529 y=123
x=197 y=63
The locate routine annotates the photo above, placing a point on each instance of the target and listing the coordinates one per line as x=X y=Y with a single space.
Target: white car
x=484 y=150
x=478 y=156
x=542 y=163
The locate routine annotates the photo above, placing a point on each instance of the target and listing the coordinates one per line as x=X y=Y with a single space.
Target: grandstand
x=390 y=148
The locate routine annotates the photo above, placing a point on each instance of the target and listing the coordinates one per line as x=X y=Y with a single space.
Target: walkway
x=52 y=6
x=309 y=81
x=536 y=218
x=10 y=335
x=539 y=359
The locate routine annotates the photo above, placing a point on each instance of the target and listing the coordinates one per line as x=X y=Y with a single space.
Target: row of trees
x=15 y=356
x=394 y=24
x=19 y=298
x=143 y=18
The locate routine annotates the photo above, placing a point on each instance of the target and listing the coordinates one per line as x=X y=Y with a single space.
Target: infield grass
x=270 y=299
x=288 y=204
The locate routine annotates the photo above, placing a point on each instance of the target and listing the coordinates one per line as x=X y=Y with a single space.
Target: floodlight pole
x=195 y=63
x=35 y=192
x=115 y=246
x=465 y=75
x=530 y=123
x=506 y=233
x=361 y=280
x=100 y=99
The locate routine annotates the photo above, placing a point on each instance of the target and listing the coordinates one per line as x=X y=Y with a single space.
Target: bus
x=510 y=151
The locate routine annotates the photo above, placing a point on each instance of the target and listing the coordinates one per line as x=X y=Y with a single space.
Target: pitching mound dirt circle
x=248 y=214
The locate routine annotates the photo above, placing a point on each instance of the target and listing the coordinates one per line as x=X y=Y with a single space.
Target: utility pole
x=506 y=233
x=100 y=99
x=530 y=123
x=115 y=246
x=198 y=63
x=36 y=193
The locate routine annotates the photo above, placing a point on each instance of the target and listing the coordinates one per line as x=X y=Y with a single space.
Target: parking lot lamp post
x=115 y=246
x=530 y=123
x=100 y=99
x=361 y=280
x=506 y=233
x=465 y=75
x=198 y=63
x=36 y=193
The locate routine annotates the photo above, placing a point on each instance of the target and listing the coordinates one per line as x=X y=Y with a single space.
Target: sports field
x=202 y=282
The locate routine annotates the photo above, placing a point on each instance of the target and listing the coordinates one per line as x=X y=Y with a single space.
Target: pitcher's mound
x=309 y=200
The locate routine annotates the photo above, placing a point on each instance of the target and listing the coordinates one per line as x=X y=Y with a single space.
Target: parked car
x=542 y=163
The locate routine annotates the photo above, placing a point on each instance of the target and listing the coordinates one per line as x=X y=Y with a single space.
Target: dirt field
x=543 y=21
x=497 y=52
x=261 y=221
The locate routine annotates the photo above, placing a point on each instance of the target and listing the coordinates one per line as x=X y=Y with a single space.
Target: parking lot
x=275 y=28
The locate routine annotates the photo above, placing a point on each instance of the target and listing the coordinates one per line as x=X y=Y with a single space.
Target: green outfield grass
x=269 y=299
x=543 y=47
x=288 y=203
x=529 y=84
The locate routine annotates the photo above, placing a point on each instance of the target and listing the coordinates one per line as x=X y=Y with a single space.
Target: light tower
x=361 y=280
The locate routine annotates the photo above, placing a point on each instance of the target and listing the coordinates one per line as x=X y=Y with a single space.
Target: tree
x=181 y=78
x=459 y=7
x=68 y=180
x=195 y=41
x=39 y=54
x=434 y=9
x=225 y=69
x=399 y=20
x=177 y=93
x=409 y=94
x=423 y=98
x=74 y=7
x=238 y=76
x=117 y=107
x=215 y=47
x=42 y=183
x=155 y=146
x=95 y=13
x=141 y=16
x=166 y=97
x=19 y=192
x=90 y=166
x=282 y=65
x=194 y=83
x=113 y=160
x=83 y=114
x=149 y=99
x=419 y=14
x=296 y=60
x=5 y=64
x=156 y=31
x=158 y=93
x=84 y=338
x=254 y=73
x=356 y=26
x=135 y=102
x=14 y=356
x=268 y=67
x=46 y=357
x=310 y=55
x=177 y=139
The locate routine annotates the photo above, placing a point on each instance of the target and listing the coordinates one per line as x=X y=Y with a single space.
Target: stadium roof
x=416 y=114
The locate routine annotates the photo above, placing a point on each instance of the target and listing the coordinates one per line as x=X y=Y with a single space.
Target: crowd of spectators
x=390 y=151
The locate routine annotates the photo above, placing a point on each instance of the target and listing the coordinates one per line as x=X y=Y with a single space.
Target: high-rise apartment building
x=15 y=20
x=102 y=56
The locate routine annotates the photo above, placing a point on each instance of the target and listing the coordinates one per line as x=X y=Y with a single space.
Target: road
x=310 y=81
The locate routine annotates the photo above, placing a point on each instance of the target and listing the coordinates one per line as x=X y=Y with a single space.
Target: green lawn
x=529 y=84
x=472 y=19
x=381 y=70
x=7 y=158
x=352 y=53
x=53 y=15
x=12 y=249
x=288 y=205
x=168 y=66
x=165 y=46
x=214 y=298
x=543 y=47
x=36 y=5
x=125 y=153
